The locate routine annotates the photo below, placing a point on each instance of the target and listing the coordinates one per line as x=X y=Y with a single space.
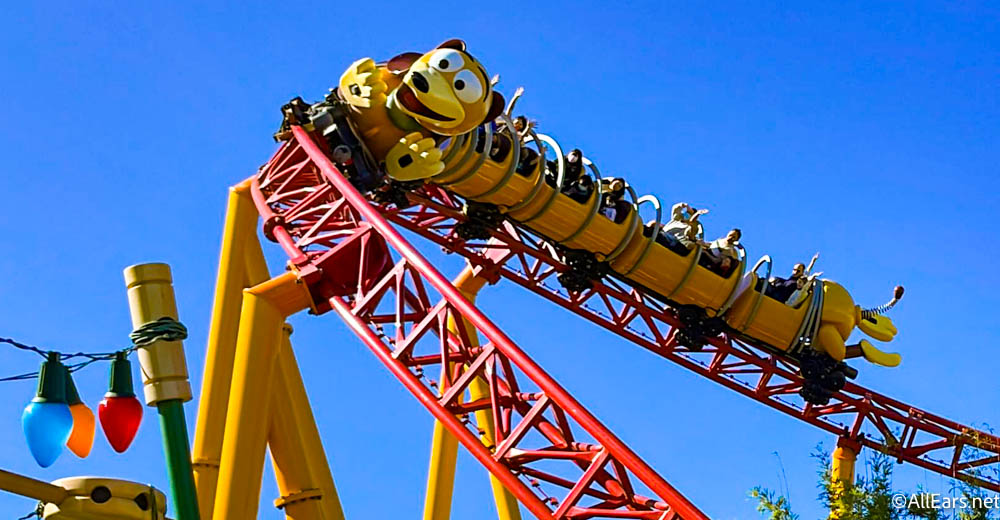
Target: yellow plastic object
x=81 y=440
x=878 y=327
x=878 y=357
x=369 y=113
x=31 y=488
x=444 y=92
x=474 y=175
x=777 y=324
x=765 y=318
x=92 y=498
x=677 y=277
x=163 y=365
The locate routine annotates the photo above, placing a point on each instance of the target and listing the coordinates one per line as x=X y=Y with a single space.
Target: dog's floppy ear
x=496 y=107
x=402 y=62
x=455 y=43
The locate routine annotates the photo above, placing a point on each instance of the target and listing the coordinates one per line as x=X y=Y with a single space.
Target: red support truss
x=856 y=413
x=328 y=230
x=550 y=452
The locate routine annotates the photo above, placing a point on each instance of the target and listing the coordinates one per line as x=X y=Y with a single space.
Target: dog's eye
x=447 y=60
x=467 y=86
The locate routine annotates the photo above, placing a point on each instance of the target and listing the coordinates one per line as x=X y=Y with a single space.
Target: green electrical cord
x=165 y=328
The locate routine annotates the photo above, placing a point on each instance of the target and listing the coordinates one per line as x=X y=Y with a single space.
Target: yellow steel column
x=842 y=473
x=297 y=398
x=842 y=466
x=301 y=497
x=844 y=457
x=305 y=424
x=444 y=446
x=507 y=508
x=240 y=230
x=441 y=474
x=265 y=307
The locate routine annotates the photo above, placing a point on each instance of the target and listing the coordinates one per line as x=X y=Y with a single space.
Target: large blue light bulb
x=46 y=427
x=47 y=421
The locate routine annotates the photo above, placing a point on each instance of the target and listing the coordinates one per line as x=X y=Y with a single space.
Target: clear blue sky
x=868 y=132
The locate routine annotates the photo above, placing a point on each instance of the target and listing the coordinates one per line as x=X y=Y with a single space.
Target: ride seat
x=674 y=246
x=708 y=262
x=499 y=153
x=528 y=162
x=759 y=286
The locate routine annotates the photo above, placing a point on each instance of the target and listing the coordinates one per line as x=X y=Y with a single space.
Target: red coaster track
x=339 y=243
x=547 y=443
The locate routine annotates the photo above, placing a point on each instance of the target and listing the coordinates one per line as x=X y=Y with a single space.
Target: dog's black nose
x=420 y=82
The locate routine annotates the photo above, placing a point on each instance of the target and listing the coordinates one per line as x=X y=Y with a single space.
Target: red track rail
x=550 y=452
x=856 y=413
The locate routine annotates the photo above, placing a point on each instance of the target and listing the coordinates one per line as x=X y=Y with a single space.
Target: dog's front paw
x=414 y=157
x=362 y=85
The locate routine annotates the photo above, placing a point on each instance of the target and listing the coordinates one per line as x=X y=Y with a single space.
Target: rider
x=577 y=184
x=683 y=227
x=613 y=203
x=782 y=289
x=723 y=254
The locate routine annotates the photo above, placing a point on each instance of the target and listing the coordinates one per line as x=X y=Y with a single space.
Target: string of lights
x=88 y=358
x=57 y=417
x=163 y=328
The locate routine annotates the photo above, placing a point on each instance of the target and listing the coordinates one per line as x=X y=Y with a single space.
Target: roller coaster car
x=485 y=167
x=488 y=168
x=814 y=332
x=414 y=119
x=577 y=225
x=404 y=107
x=679 y=274
x=784 y=327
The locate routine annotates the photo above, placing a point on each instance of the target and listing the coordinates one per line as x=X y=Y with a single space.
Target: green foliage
x=773 y=508
x=871 y=496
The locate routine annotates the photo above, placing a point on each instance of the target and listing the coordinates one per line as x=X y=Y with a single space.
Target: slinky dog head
x=446 y=90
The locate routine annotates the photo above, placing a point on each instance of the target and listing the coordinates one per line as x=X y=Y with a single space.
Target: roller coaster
x=422 y=143
x=499 y=177
x=333 y=192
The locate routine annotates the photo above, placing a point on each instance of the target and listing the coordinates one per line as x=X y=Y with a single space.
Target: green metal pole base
x=178 y=451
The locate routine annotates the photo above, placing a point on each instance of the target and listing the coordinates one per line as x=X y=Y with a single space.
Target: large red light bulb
x=120 y=412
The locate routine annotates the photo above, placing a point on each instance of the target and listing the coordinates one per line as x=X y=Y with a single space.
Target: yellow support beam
x=297 y=398
x=300 y=497
x=31 y=488
x=240 y=230
x=441 y=474
x=265 y=307
x=296 y=447
x=842 y=465
x=297 y=401
x=444 y=446
x=845 y=455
